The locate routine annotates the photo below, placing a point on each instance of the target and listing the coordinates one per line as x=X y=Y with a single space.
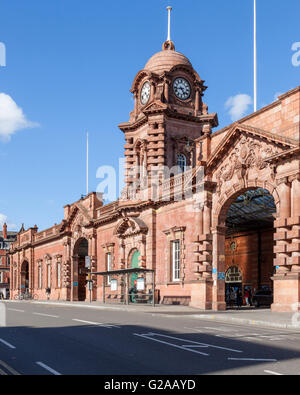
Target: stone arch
x=220 y=208
x=78 y=271
x=131 y=254
x=219 y=214
x=134 y=257
x=139 y=77
x=24 y=275
x=130 y=226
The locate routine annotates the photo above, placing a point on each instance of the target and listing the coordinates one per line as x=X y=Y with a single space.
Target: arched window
x=233 y=275
x=181 y=162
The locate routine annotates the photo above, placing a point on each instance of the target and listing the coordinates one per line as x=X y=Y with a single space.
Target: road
x=62 y=340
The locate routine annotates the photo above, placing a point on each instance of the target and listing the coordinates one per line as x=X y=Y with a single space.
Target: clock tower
x=170 y=121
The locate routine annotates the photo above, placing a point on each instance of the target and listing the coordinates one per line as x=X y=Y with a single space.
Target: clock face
x=182 y=88
x=145 y=94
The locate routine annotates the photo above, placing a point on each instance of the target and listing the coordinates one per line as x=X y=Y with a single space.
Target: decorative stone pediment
x=78 y=218
x=244 y=153
x=277 y=143
x=130 y=226
x=155 y=107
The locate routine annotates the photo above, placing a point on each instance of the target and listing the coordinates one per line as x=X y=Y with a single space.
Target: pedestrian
x=247 y=296
x=48 y=292
x=239 y=298
x=132 y=293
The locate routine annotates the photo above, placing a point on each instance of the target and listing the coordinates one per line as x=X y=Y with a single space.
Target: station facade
x=203 y=208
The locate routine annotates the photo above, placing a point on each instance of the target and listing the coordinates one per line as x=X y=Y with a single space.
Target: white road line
x=96 y=323
x=2 y=373
x=46 y=315
x=200 y=343
x=19 y=311
x=252 y=359
x=219 y=329
x=11 y=370
x=41 y=364
x=172 y=345
x=273 y=373
x=7 y=344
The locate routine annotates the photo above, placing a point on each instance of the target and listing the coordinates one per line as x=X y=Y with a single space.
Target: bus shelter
x=126 y=286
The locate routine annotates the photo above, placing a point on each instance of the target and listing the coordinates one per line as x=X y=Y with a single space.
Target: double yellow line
x=8 y=369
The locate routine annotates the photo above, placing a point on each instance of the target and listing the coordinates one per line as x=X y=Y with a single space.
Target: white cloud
x=3 y=220
x=238 y=106
x=12 y=118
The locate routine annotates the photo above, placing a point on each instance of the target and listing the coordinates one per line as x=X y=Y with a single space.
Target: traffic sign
x=87 y=262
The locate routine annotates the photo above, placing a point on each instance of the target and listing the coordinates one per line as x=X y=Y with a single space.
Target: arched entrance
x=135 y=263
x=25 y=276
x=244 y=245
x=81 y=250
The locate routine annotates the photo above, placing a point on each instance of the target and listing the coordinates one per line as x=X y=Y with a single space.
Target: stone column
x=295 y=221
x=287 y=281
x=74 y=279
x=66 y=294
x=93 y=255
x=122 y=254
x=281 y=249
x=166 y=89
x=197 y=101
x=219 y=303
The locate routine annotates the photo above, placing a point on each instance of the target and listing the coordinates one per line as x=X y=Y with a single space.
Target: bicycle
x=26 y=296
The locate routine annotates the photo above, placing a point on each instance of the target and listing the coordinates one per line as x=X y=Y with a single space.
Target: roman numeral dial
x=182 y=88
x=145 y=93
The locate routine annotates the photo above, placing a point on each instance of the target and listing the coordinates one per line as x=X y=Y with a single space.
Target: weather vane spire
x=169 y=45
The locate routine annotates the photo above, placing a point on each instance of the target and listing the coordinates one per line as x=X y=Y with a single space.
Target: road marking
x=7 y=344
x=10 y=369
x=19 y=311
x=219 y=329
x=2 y=373
x=46 y=315
x=200 y=343
x=252 y=359
x=54 y=372
x=97 y=324
x=170 y=344
x=274 y=373
x=150 y=336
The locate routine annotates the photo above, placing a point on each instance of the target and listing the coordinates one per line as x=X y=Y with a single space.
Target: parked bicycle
x=26 y=296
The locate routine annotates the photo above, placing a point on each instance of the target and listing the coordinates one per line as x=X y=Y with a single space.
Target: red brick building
x=6 y=239
x=238 y=221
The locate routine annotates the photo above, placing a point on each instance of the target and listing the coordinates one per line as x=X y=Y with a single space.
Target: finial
x=169 y=45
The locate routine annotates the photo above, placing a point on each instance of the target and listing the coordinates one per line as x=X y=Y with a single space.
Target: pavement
x=263 y=318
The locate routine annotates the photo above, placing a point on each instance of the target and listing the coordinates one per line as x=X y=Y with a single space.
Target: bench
x=176 y=300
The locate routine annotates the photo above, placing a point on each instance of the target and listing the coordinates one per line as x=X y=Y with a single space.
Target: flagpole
x=87 y=163
x=255 y=59
x=169 y=23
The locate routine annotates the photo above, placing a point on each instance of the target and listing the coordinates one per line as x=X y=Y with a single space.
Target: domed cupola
x=169 y=116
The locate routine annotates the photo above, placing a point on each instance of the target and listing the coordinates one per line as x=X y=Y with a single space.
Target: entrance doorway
x=25 y=276
x=81 y=250
x=234 y=284
x=135 y=264
x=249 y=245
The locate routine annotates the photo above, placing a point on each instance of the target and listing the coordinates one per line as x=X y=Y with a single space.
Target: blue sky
x=70 y=65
